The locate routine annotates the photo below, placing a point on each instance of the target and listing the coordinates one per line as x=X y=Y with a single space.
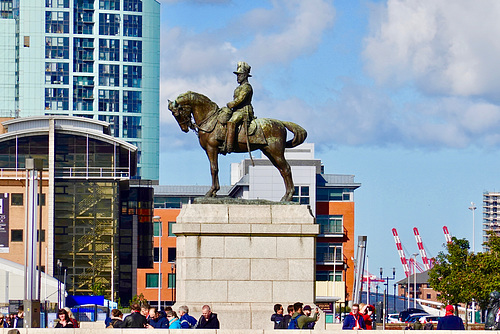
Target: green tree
x=451 y=273
x=98 y=289
x=139 y=299
x=460 y=276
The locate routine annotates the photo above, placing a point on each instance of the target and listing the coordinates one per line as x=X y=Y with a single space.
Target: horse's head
x=181 y=110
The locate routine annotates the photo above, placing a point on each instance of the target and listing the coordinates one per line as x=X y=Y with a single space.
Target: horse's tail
x=299 y=134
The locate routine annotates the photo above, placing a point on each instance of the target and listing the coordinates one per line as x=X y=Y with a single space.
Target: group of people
x=360 y=317
x=14 y=320
x=150 y=317
x=297 y=317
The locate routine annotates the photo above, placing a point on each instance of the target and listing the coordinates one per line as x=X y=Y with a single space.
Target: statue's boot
x=230 y=133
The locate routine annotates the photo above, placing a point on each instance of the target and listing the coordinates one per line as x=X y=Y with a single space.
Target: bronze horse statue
x=196 y=111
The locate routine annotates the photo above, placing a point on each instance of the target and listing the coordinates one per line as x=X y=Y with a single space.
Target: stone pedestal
x=243 y=259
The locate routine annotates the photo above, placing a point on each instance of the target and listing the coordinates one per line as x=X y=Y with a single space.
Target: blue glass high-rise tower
x=91 y=58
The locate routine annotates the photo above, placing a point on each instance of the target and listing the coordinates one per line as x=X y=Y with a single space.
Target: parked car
x=414 y=317
x=403 y=315
x=430 y=318
x=392 y=318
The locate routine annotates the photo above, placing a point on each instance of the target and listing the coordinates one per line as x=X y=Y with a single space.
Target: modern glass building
x=97 y=59
x=96 y=222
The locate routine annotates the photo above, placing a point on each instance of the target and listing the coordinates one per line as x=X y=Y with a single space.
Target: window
x=26 y=41
x=43 y=199
x=16 y=199
x=157 y=254
x=132 y=51
x=109 y=4
x=329 y=276
x=114 y=124
x=428 y=296
x=132 y=101
x=132 y=5
x=132 y=127
x=157 y=232
x=109 y=75
x=171 y=281
x=16 y=235
x=57 y=47
x=132 y=25
x=132 y=76
x=109 y=100
x=330 y=224
x=331 y=194
x=170 y=225
x=301 y=195
x=329 y=252
x=57 y=22
x=152 y=281
x=109 y=24
x=57 y=73
x=43 y=236
x=171 y=254
x=109 y=49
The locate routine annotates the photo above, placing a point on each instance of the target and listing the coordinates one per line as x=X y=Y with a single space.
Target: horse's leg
x=277 y=157
x=213 y=155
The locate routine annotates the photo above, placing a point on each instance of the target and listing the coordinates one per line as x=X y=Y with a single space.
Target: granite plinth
x=242 y=259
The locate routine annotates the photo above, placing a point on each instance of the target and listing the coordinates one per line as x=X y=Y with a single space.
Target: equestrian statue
x=234 y=128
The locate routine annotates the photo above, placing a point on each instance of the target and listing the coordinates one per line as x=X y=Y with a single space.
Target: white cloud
x=447 y=47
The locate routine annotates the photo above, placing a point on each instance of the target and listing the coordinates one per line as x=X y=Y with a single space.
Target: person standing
x=208 y=319
x=450 y=321
x=366 y=313
x=64 y=320
x=288 y=316
x=156 y=320
x=173 y=321
x=354 y=320
x=299 y=319
x=186 y=320
x=278 y=317
x=19 y=318
x=134 y=319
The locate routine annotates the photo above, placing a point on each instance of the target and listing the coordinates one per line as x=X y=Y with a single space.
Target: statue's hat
x=243 y=68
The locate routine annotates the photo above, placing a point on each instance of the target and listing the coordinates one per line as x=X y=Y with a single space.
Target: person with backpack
x=299 y=319
x=354 y=320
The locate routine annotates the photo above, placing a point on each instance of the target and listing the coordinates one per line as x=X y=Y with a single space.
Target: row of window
x=152 y=280
x=158 y=254
x=109 y=50
x=18 y=235
x=158 y=228
x=17 y=199
x=128 y=5
x=57 y=22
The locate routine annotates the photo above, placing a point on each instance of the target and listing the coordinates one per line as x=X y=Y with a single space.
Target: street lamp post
x=415 y=279
x=386 y=283
x=472 y=208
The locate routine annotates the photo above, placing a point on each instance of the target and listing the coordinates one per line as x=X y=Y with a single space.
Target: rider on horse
x=241 y=106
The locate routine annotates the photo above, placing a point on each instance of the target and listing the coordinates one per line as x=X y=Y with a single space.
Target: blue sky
x=401 y=93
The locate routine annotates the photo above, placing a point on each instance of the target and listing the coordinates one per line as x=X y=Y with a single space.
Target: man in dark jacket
x=135 y=319
x=208 y=319
x=186 y=320
x=450 y=321
x=277 y=317
x=156 y=319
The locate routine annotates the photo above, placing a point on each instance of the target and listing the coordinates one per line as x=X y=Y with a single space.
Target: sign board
x=4 y=223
